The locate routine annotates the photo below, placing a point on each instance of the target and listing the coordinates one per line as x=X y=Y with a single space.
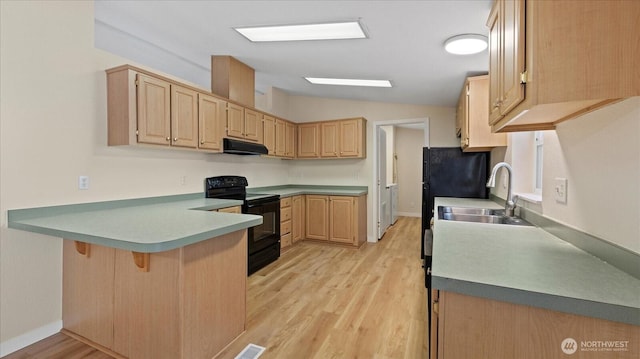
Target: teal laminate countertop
x=146 y=225
x=295 y=190
x=529 y=266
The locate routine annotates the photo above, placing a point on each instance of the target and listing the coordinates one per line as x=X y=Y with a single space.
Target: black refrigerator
x=449 y=172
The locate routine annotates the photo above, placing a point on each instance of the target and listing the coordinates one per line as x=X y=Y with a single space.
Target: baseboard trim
x=16 y=343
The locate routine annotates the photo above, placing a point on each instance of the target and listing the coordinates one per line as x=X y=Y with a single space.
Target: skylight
x=348 y=82
x=325 y=31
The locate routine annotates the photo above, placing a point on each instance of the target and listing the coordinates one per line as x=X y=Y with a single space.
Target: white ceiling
x=405 y=43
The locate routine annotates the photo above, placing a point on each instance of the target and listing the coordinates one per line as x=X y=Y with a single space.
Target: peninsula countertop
x=146 y=225
x=529 y=266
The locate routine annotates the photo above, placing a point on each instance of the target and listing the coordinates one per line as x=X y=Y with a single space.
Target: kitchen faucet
x=510 y=206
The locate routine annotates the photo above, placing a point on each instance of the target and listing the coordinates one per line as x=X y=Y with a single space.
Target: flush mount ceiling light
x=325 y=31
x=348 y=82
x=466 y=44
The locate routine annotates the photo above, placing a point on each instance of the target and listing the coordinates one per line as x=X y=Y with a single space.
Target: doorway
x=385 y=176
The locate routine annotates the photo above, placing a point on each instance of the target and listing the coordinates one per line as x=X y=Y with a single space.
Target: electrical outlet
x=183 y=180
x=560 y=190
x=83 y=182
x=504 y=180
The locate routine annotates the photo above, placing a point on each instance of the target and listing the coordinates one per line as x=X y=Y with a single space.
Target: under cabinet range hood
x=243 y=148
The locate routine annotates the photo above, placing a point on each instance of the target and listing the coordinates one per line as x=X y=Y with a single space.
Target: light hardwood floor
x=321 y=301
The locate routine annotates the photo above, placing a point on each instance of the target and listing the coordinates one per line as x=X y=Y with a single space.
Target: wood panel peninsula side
x=150 y=278
x=190 y=303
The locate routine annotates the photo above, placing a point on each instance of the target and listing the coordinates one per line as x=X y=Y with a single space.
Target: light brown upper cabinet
x=244 y=123
x=142 y=108
x=184 y=117
x=329 y=139
x=280 y=137
x=269 y=133
x=252 y=125
x=290 y=140
x=333 y=139
x=154 y=110
x=551 y=61
x=308 y=140
x=212 y=117
x=475 y=132
x=353 y=138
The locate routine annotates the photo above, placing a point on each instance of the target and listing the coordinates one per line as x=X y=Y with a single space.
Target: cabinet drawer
x=285 y=241
x=285 y=214
x=285 y=227
x=285 y=202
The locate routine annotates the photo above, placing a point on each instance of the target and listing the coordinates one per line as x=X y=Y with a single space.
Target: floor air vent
x=252 y=351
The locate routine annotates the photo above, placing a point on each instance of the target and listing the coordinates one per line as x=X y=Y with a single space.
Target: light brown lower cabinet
x=285 y=223
x=234 y=209
x=338 y=219
x=473 y=327
x=188 y=302
x=297 y=218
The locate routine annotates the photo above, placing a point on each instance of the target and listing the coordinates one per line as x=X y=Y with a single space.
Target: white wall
x=599 y=154
x=409 y=144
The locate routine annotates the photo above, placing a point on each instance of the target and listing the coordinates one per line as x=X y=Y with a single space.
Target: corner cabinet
x=337 y=219
x=472 y=114
x=552 y=61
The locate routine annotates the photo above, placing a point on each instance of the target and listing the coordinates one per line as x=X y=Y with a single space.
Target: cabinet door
x=317 y=217
x=463 y=116
x=512 y=35
x=212 y=117
x=269 y=133
x=329 y=139
x=252 y=125
x=297 y=218
x=290 y=140
x=280 y=137
x=308 y=140
x=235 y=120
x=350 y=138
x=495 y=54
x=154 y=111
x=341 y=225
x=184 y=117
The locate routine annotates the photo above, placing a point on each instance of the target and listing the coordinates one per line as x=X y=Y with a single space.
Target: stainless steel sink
x=479 y=215
x=471 y=210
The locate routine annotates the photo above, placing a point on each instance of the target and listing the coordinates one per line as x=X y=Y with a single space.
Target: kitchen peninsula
x=157 y=277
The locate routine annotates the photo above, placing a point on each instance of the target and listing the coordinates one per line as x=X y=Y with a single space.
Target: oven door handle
x=258 y=203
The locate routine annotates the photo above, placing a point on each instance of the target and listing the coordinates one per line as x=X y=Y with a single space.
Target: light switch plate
x=560 y=190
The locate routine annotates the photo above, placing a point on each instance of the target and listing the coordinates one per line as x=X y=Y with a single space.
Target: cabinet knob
x=202 y=142
x=168 y=138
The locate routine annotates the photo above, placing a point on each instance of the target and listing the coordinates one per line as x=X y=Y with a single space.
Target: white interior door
x=384 y=214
